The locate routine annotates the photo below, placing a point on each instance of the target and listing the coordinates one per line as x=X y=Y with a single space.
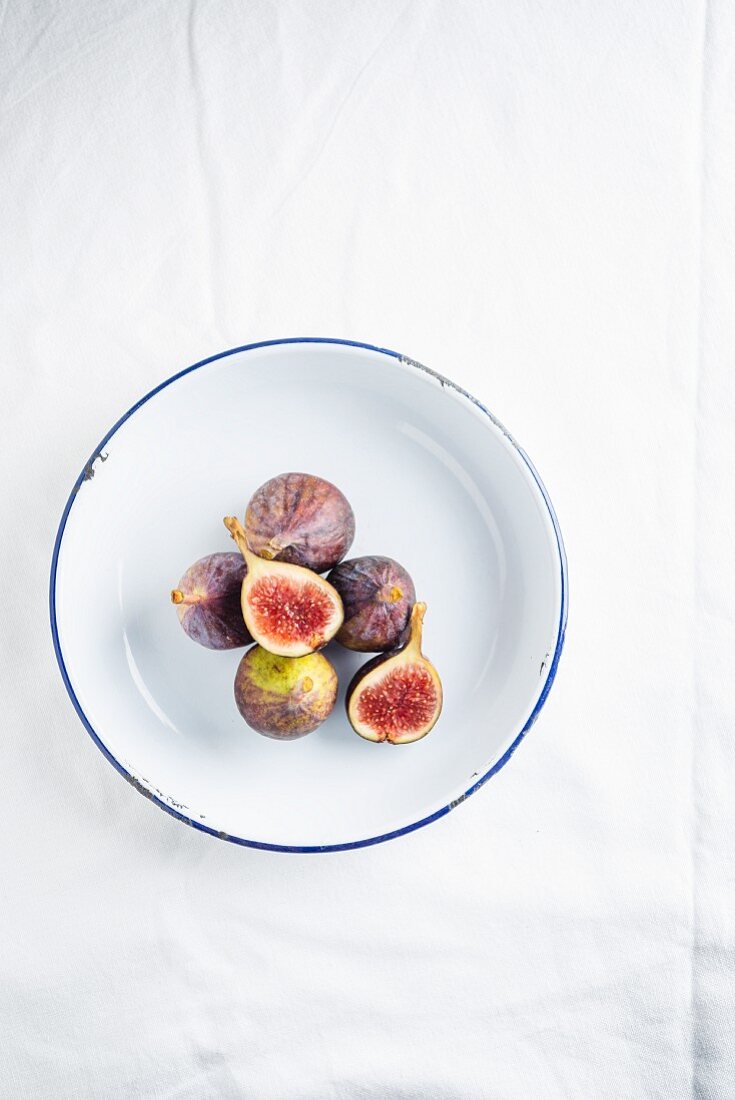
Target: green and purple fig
x=289 y=610
x=207 y=602
x=301 y=519
x=378 y=595
x=397 y=697
x=284 y=697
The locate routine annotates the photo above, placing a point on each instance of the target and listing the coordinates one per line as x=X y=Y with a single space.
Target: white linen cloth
x=538 y=200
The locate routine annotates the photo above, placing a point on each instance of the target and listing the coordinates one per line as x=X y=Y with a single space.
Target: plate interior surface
x=434 y=483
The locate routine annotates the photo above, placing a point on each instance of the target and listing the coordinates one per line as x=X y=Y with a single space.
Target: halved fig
x=289 y=610
x=377 y=594
x=301 y=519
x=397 y=697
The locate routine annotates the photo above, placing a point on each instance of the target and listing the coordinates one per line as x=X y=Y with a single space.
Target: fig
x=289 y=610
x=208 y=602
x=284 y=697
x=301 y=519
x=377 y=594
x=396 y=697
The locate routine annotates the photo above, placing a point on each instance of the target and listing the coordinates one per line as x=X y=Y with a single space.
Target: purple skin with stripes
x=207 y=602
x=284 y=697
x=378 y=596
x=300 y=519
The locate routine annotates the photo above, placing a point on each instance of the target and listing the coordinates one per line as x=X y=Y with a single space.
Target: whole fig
x=284 y=697
x=378 y=595
x=207 y=602
x=302 y=519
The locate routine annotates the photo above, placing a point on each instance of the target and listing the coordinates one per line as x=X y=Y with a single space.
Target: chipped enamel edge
x=170 y=805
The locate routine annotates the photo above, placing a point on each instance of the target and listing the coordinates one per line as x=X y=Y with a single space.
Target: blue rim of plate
x=88 y=471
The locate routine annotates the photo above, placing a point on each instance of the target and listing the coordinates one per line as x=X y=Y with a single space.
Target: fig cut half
x=397 y=697
x=289 y=610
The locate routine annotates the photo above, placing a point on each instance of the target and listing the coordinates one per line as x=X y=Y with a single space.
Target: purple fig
x=301 y=519
x=208 y=602
x=396 y=697
x=284 y=697
x=378 y=596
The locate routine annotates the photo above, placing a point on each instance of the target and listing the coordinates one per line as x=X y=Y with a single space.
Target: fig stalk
x=236 y=529
x=177 y=596
x=416 y=630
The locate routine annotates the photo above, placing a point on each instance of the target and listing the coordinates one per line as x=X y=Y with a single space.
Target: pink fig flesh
x=301 y=519
x=401 y=702
x=378 y=595
x=207 y=601
x=285 y=611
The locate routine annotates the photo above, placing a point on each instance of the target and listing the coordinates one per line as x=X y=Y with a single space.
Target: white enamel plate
x=434 y=481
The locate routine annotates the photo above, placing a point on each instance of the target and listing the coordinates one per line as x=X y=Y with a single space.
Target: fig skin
x=378 y=596
x=404 y=678
x=301 y=519
x=289 y=610
x=284 y=697
x=207 y=602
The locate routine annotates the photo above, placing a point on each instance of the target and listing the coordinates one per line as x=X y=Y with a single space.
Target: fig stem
x=236 y=529
x=271 y=550
x=177 y=596
x=417 y=628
